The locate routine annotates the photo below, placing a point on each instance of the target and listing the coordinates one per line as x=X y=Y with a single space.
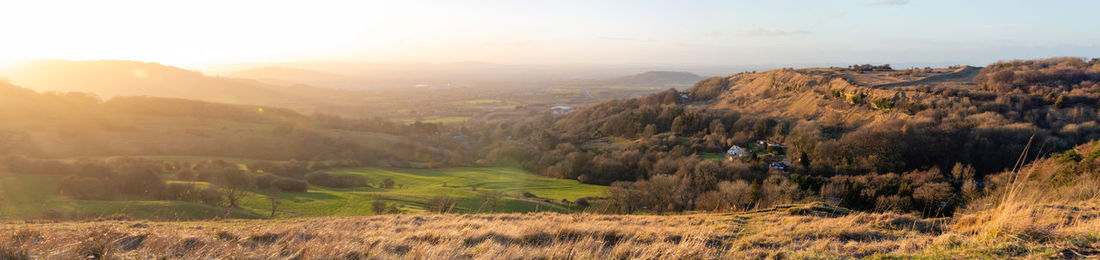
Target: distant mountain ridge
x=110 y=78
x=656 y=78
x=288 y=76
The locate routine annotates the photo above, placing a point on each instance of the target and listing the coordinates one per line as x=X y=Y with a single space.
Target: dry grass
x=802 y=231
x=508 y=236
x=1032 y=216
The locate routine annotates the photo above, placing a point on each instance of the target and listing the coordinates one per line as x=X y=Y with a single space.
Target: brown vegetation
x=788 y=231
x=905 y=148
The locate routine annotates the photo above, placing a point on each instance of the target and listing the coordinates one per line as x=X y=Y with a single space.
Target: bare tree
x=490 y=200
x=275 y=201
x=235 y=184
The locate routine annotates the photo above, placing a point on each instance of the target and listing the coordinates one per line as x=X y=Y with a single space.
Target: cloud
x=890 y=2
x=761 y=32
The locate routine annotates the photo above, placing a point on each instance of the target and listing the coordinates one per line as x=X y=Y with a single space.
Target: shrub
x=388 y=183
x=265 y=181
x=291 y=185
x=140 y=182
x=209 y=196
x=186 y=174
x=884 y=103
x=180 y=191
x=86 y=188
x=729 y=195
x=441 y=204
x=335 y=181
x=1071 y=156
x=379 y=207
x=583 y=202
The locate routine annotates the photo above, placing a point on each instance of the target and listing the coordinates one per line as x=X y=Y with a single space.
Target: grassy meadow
x=434 y=120
x=414 y=187
x=475 y=190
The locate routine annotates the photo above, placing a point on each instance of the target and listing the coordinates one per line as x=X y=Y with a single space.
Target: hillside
x=62 y=125
x=654 y=79
x=110 y=78
x=838 y=134
x=292 y=76
x=168 y=158
x=115 y=78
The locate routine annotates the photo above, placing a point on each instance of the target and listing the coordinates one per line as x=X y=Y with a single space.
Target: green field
x=180 y=158
x=23 y=196
x=435 y=120
x=483 y=101
x=714 y=156
x=28 y=196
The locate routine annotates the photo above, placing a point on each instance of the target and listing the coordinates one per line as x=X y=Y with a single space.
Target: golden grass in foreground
x=802 y=231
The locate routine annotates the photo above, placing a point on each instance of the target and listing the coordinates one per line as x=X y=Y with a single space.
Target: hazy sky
x=530 y=32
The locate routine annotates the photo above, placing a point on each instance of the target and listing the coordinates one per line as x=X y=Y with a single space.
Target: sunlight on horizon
x=607 y=32
x=566 y=129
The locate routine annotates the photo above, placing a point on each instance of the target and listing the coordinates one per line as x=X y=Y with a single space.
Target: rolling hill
x=285 y=76
x=111 y=78
x=654 y=79
x=59 y=125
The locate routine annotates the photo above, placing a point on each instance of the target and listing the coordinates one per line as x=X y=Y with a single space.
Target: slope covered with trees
x=58 y=125
x=904 y=147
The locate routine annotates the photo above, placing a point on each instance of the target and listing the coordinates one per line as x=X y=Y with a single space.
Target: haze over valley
x=549 y=130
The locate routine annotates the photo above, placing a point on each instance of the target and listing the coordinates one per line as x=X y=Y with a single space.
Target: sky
x=199 y=32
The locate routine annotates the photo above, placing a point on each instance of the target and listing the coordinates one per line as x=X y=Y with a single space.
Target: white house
x=737 y=152
x=561 y=110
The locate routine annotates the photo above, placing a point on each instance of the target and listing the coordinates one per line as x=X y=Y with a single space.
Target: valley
x=470 y=190
x=497 y=129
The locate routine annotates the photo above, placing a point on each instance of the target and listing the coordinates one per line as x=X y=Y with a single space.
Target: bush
x=209 y=196
x=85 y=188
x=583 y=202
x=186 y=174
x=291 y=185
x=140 y=182
x=180 y=191
x=193 y=193
x=1071 y=156
x=728 y=196
x=441 y=204
x=379 y=207
x=335 y=181
x=388 y=183
x=266 y=181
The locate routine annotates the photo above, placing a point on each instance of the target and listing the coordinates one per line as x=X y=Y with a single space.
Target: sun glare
x=7 y=62
x=140 y=74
